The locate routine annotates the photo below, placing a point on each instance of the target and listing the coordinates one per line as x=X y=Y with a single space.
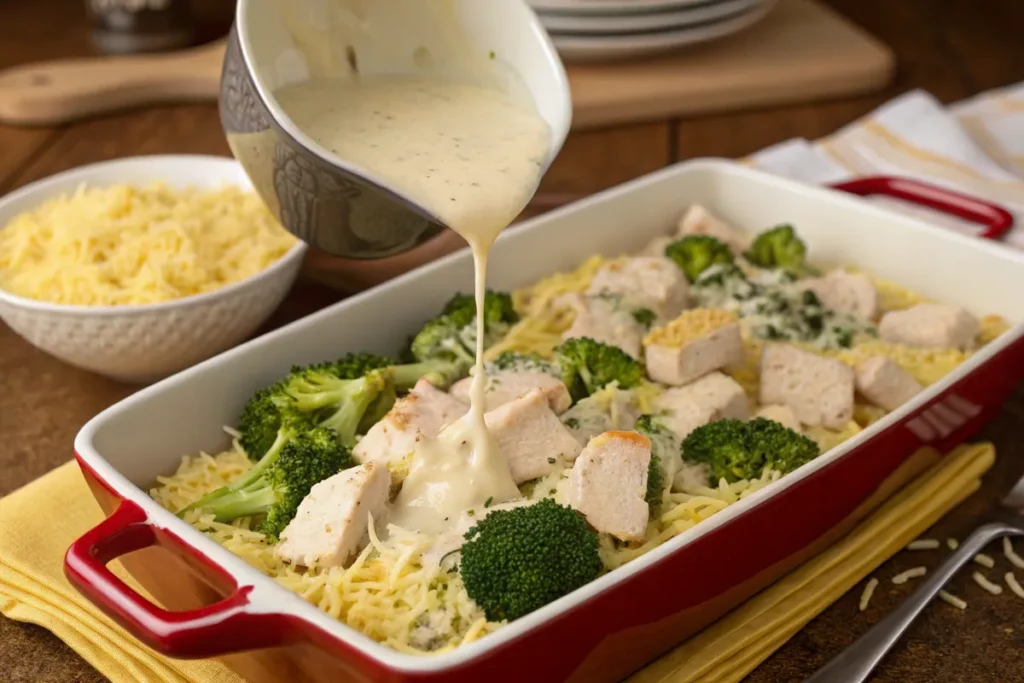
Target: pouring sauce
x=473 y=156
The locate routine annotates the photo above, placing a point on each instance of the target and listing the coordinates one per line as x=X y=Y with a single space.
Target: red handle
x=223 y=627
x=996 y=220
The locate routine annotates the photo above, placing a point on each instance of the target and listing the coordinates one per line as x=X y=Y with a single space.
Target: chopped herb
x=553 y=492
x=471 y=513
x=572 y=423
x=645 y=317
x=491 y=54
x=552 y=461
x=487 y=503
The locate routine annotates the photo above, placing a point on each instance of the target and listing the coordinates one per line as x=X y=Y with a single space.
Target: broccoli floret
x=722 y=446
x=645 y=317
x=588 y=365
x=353 y=365
x=697 y=253
x=348 y=406
x=514 y=361
x=736 y=450
x=262 y=418
x=665 y=448
x=439 y=372
x=778 y=247
x=498 y=307
x=516 y=561
x=451 y=336
x=263 y=415
x=778 y=446
x=275 y=487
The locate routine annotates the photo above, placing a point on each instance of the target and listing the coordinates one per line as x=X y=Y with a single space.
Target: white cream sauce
x=473 y=157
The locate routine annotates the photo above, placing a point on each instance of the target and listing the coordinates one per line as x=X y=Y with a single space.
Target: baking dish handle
x=996 y=221
x=223 y=627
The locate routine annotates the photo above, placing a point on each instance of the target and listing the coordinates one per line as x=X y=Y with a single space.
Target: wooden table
x=952 y=48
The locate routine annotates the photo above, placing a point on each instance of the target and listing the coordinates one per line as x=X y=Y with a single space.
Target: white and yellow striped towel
x=975 y=147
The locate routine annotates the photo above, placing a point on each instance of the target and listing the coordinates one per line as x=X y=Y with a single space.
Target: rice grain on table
x=1011 y=581
x=984 y=560
x=992 y=588
x=909 y=574
x=1015 y=559
x=952 y=543
x=869 y=590
x=924 y=544
x=952 y=600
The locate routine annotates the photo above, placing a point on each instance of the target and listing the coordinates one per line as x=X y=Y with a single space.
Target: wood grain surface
x=953 y=48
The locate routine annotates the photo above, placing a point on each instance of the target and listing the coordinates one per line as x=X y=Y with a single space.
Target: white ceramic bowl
x=145 y=342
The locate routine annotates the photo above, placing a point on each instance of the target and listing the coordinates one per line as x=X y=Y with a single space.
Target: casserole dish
x=216 y=605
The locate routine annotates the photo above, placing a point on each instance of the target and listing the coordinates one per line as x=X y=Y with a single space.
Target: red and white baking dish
x=217 y=606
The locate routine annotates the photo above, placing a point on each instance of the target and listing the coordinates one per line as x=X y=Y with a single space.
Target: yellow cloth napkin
x=39 y=522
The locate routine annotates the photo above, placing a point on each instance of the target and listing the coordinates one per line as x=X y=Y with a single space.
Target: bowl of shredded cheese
x=140 y=267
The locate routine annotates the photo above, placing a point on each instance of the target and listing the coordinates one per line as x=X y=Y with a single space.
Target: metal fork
x=855 y=663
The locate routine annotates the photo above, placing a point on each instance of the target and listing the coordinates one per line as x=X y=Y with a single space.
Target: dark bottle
x=127 y=26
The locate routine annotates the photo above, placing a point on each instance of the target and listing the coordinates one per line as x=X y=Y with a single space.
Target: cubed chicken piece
x=782 y=414
x=506 y=385
x=699 y=341
x=850 y=293
x=530 y=436
x=713 y=397
x=884 y=383
x=420 y=414
x=652 y=282
x=699 y=221
x=332 y=521
x=930 y=326
x=601 y=320
x=608 y=483
x=818 y=389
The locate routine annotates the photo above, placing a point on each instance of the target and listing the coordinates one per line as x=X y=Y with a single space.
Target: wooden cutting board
x=801 y=52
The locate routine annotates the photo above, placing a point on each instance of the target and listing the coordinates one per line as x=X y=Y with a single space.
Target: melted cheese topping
x=390 y=596
x=692 y=324
x=125 y=245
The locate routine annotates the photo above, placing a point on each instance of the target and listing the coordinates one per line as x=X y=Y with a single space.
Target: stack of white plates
x=598 y=30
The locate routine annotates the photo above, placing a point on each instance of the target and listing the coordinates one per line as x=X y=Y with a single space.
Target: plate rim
x=619 y=8
x=736 y=9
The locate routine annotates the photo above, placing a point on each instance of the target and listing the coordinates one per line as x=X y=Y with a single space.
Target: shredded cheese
x=391 y=597
x=953 y=600
x=124 y=245
x=386 y=593
x=869 y=590
x=914 y=573
x=992 y=588
x=1015 y=559
x=1012 y=582
x=984 y=560
x=924 y=544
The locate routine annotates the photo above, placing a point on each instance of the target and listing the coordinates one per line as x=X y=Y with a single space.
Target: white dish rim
x=269 y=597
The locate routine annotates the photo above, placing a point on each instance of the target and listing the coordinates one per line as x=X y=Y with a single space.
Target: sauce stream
x=473 y=157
